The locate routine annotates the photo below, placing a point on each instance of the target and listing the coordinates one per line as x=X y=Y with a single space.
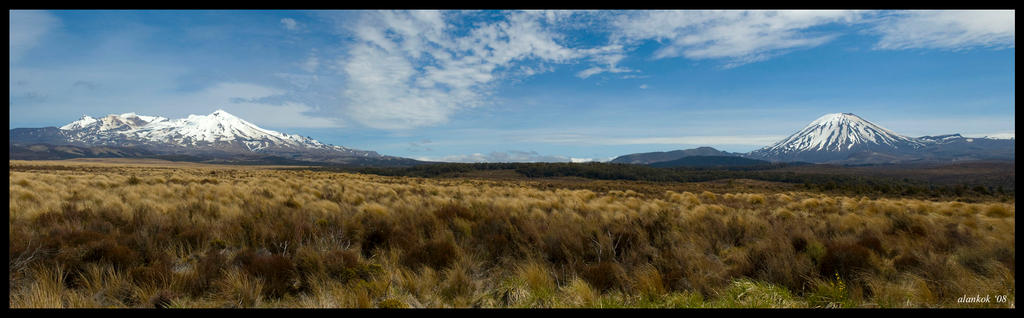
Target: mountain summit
x=226 y=130
x=219 y=130
x=126 y=121
x=845 y=137
x=219 y=134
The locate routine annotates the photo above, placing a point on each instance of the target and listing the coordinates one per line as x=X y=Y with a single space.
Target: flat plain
x=146 y=233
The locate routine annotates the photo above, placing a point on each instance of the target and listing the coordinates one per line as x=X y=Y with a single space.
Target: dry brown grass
x=145 y=235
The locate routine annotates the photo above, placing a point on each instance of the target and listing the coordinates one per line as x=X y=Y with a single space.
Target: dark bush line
x=822 y=182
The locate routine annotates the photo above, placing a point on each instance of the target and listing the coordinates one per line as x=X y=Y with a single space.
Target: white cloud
x=311 y=64
x=598 y=70
x=26 y=29
x=950 y=30
x=286 y=115
x=737 y=36
x=1002 y=135
x=643 y=86
x=697 y=140
x=247 y=101
x=415 y=69
x=505 y=156
x=680 y=140
x=410 y=69
x=967 y=125
x=250 y=102
x=57 y=96
x=589 y=72
x=741 y=37
x=607 y=56
x=290 y=24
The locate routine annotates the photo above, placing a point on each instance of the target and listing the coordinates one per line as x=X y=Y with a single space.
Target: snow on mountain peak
x=80 y=123
x=845 y=137
x=215 y=127
x=840 y=132
x=940 y=138
x=126 y=121
x=222 y=113
x=219 y=128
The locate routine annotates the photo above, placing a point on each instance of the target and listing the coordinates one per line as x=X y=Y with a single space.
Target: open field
x=151 y=234
x=967 y=182
x=988 y=173
x=86 y=163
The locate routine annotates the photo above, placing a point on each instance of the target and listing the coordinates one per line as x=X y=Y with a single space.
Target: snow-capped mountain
x=955 y=138
x=835 y=136
x=220 y=127
x=941 y=139
x=219 y=130
x=845 y=137
x=126 y=121
x=218 y=133
x=106 y=130
x=958 y=148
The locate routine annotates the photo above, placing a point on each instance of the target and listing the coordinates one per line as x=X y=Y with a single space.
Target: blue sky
x=522 y=85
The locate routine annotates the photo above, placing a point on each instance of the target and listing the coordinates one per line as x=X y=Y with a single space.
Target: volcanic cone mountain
x=836 y=137
x=848 y=138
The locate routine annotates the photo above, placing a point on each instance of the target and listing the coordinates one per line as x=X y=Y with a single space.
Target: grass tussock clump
x=605 y=276
x=437 y=253
x=848 y=260
x=276 y=271
x=158 y=237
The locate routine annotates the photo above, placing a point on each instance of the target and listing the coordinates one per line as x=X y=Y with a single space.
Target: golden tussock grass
x=144 y=235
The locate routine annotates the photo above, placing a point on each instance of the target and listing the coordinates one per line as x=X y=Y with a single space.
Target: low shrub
x=605 y=276
x=277 y=271
x=848 y=260
x=436 y=253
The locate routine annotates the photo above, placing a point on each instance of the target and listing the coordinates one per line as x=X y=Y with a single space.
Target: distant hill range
x=703 y=157
x=219 y=137
x=654 y=157
x=848 y=139
x=840 y=138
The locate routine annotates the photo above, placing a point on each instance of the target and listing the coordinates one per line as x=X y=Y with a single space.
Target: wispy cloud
x=505 y=156
x=399 y=70
x=679 y=140
x=117 y=71
x=607 y=58
x=738 y=37
x=86 y=84
x=417 y=69
x=26 y=29
x=312 y=63
x=289 y=24
x=1000 y=135
x=421 y=145
x=255 y=103
x=411 y=69
x=948 y=30
x=976 y=125
x=696 y=140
